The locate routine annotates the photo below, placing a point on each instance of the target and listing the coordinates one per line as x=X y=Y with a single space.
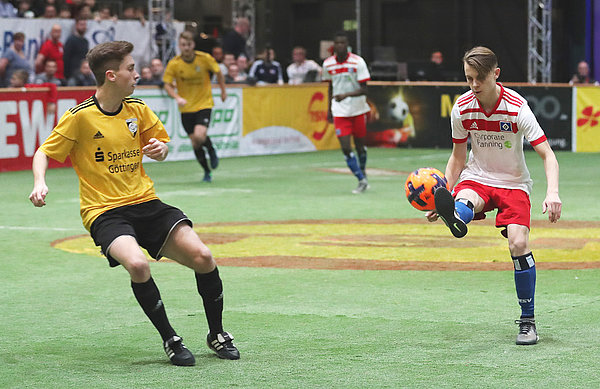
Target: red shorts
x=354 y=125
x=513 y=205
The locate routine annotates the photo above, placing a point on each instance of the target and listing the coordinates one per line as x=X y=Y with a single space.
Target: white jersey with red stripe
x=496 y=158
x=346 y=77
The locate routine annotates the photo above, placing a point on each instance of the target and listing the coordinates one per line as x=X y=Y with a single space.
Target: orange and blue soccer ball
x=421 y=185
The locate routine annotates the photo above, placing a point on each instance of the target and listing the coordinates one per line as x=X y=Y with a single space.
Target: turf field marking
x=383 y=244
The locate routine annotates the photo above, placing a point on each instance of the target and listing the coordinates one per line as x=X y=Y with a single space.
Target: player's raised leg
x=456 y=214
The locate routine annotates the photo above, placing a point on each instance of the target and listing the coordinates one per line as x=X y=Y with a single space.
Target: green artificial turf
x=69 y=321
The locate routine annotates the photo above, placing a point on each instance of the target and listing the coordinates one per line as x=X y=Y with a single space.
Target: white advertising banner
x=225 y=129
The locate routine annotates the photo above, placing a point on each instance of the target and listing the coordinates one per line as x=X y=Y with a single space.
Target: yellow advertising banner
x=279 y=119
x=588 y=119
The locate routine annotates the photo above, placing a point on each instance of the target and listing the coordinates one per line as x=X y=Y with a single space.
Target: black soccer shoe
x=178 y=353
x=214 y=159
x=444 y=206
x=222 y=345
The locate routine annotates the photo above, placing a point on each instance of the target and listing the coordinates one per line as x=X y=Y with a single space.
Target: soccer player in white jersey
x=495 y=177
x=348 y=74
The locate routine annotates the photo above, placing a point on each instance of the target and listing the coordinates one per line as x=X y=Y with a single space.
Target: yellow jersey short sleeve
x=193 y=80
x=106 y=152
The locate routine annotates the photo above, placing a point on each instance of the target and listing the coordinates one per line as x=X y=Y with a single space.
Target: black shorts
x=190 y=119
x=150 y=223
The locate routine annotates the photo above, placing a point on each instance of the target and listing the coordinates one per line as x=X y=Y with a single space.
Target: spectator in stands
x=146 y=76
x=157 y=68
x=19 y=80
x=131 y=12
x=50 y=12
x=7 y=10
x=13 y=59
x=233 y=75
x=52 y=49
x=83 y=77
x=436 y=67
x=64 y=12
x=234 y=41
x=582 y=76
x=228 y=60
x=219 y=56
x=85 y=12
x=242 y=63
x=302 y=70
x=76 y=47
x=74 y=7
x=105 y=13
x=25 y=10
x=49 y=74
x=266 y=70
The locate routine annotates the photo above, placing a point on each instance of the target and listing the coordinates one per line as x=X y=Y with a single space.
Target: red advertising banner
x=25 y=123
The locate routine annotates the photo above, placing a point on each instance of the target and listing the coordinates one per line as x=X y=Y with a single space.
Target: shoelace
x=524 y=326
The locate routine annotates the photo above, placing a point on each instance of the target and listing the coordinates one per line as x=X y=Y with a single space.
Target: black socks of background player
x=148 y=297
x=201 y=158
x=210 y=287
x=201 y=154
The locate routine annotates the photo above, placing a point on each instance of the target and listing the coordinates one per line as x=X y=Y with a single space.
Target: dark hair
x=343 y=34
x=18 y=36
x=107 y=56
x=482 y=59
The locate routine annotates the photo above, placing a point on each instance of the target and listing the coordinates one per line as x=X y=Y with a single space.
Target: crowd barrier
x=283 y=119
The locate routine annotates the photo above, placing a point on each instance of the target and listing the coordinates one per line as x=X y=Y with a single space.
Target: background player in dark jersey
x=106 y=137
x=187 y=80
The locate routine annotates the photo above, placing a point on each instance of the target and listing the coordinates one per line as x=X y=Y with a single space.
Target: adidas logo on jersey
x=98 y=135
x=474 y=125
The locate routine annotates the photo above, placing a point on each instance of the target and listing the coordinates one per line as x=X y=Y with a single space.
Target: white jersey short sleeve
x=346 y=77
x=496 y=158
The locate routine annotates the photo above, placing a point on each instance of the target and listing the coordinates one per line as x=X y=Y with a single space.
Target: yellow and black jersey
x=193 y=80
x=106 y=152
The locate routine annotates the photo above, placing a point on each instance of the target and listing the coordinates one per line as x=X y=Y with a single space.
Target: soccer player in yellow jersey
x=106 y=137
x=187 y=80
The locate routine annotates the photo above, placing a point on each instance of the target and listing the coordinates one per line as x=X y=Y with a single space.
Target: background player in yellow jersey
x=187 y=80
x=106 y=137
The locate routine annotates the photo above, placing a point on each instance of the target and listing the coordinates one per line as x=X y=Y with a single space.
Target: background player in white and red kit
x=348 y=74
x=497 y=120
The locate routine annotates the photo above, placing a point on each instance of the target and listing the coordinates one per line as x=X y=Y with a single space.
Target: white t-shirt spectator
x=297 y=72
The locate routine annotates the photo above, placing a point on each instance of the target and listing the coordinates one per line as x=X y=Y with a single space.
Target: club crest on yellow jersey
x=132 y=125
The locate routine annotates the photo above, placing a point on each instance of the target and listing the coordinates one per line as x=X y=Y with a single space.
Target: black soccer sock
x=210 y=287
x=148 y=297
x=362 y=159
x=208 y=144
x=201 y=157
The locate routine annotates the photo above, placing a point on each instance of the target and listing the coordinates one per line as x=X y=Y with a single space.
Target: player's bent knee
x=518 y=246
x=138 y=268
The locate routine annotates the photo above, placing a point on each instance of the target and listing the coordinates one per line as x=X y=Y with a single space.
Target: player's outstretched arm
x=552 y=203
x=156 y=149
x=40 y=190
